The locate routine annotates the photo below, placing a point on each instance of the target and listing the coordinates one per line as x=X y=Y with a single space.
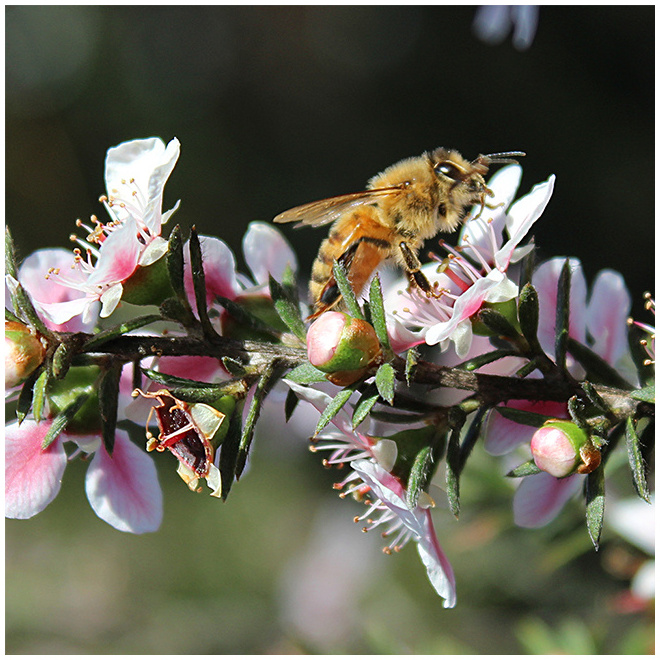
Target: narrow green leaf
x=636 y=461
x=229 y=451
x=595 y=504
x=378 y=317
x=412 y=356
x=524 y=470
x=100 y=338
x=288 y=308
x=61 y=361
x=522 y=416
x=453 y=471
x=385 y=381
x=10 y=316
x=333 y=408
x=26 y=395
x=290 y=404
x=593 y=396
x=496 y=322
x=108 y=395
x=562 y=313
x=644 y=394
x=199 y=284
x=420 y=476
x=528 y=266
x=486 y=358
x=62 y=420
x=597 y=369
x=528 y=315
x=175 y=263
x=20 y=299
x=364 y=405
x=39 y=396
x=195 y=391
x=341 y=277
x=306 y=374
x=471 y=436
x=11 y=267
x=269 y=377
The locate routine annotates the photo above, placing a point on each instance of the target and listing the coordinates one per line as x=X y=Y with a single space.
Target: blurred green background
x=276 y=106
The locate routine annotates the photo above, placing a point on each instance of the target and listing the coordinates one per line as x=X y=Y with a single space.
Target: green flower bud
x=561 y=448
x=336 y=342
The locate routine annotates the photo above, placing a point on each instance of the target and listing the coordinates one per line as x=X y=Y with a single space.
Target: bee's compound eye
x=449 y=170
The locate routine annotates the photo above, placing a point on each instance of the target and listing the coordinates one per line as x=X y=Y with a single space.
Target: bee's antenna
x=502 y=157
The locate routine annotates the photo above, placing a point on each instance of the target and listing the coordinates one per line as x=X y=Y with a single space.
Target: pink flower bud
x=338 y=343
x=561 y=448
x=24 y=352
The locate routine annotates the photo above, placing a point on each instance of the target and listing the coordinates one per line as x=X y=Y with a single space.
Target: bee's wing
x=328 y=210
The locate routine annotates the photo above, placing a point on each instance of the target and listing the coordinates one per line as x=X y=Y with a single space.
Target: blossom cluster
x=522 y=356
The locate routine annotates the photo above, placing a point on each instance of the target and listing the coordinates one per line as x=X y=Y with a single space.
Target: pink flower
x=474 y=273
x=135 y=174
x=45 y=291
x=266 y=251
x=372 y=460
x=602 y=318
x=123 y=489
x=416 y=524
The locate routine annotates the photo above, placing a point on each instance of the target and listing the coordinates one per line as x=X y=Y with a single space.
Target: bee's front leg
x=414 y=272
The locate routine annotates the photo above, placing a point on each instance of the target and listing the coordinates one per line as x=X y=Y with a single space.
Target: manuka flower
x=135 y=175
x=475 y=272
x=372 y=482
x=266 y=252
x=600 y=323
x=121 y=487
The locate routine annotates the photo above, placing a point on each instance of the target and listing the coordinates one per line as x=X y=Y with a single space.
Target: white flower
x=135 y=174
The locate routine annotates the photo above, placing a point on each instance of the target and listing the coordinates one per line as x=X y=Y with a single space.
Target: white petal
x=153 y=252
x=110 y=299
x=267 y=252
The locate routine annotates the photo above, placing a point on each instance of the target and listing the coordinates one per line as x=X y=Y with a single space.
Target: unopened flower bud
x=340 y=344
x=24 y=352
x=561 y=448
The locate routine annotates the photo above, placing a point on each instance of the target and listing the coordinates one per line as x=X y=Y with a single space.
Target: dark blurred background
x=276 y=106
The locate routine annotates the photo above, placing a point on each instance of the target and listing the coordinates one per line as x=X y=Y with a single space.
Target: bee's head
x=464 y=180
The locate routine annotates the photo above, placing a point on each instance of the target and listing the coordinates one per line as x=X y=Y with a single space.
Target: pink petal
x=540 y=498
x=545 y=281
x=123 y=489
x=33 y=476
x=609 y=307
x=267 y=252
x=503 y=435
x=119 y=256
x=219 y=269
x=419 y=521
x=51 y=292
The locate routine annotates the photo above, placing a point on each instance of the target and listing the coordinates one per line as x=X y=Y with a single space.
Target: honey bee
x=406 y=204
